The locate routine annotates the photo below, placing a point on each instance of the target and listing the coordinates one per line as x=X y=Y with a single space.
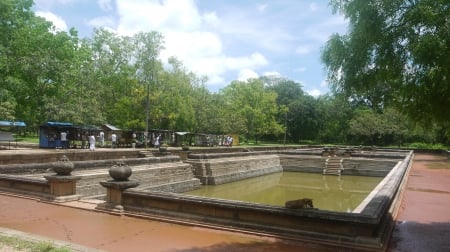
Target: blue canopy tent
x=50 y=132
x=12 y=124
x=7 y=136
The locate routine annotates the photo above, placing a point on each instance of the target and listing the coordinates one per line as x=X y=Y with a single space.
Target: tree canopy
x=50 y=75
x=396 y=53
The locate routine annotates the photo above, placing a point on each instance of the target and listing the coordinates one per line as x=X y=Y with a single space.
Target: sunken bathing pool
x=335 y=193
x=355 y=191
x=361 y=219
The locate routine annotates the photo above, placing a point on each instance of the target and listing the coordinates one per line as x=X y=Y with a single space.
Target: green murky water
x=337 y=193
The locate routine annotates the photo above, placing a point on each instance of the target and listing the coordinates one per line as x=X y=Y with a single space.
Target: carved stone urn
x=120 y=172
x=63 y=167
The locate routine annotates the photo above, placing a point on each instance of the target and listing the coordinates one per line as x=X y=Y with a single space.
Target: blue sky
x=224 y=40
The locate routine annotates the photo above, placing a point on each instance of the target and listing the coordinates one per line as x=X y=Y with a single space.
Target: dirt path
x=423 y=222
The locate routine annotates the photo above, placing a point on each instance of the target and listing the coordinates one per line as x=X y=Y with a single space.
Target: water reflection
x=337 y=193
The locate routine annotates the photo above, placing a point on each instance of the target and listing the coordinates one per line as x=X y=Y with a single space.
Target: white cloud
x=246 y=74
x=104 y=21
x=254 y=60
x=272 y=73
x=211 y=19
x=219 y=39
x=163 y=16
x=314 y=92
x=58 y=22
x=321 y=32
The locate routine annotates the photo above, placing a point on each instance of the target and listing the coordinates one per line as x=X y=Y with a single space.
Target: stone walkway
x=423 y=223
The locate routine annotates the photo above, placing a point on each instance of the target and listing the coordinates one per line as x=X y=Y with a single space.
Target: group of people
x=101 y=137
x=90 y=138
x=228 y=141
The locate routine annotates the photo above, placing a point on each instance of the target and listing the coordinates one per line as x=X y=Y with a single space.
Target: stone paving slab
x=423 y=221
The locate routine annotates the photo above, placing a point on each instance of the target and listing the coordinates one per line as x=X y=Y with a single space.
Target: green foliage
x=369 y=128
x=395 y=53
x=55 y=76
x=251 y=109
x=25 y=245
x=427 y=146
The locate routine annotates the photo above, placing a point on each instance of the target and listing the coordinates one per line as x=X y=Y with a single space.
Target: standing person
x=157 y=142
x=102 y=138
x=113 y=140
x=92 y=143
x=63 y=139
x=230 y=142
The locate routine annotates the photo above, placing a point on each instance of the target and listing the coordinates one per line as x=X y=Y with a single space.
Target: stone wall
x=47 y=156
x=302 y=163
x=166 y=173
x=357 y=166
x=367 y=229
x=217 y=169
x=27 y=186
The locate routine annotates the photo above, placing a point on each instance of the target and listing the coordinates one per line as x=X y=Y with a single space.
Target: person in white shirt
x=113 y=140
x=92 y=143
x=64 y=144
x=102 y=138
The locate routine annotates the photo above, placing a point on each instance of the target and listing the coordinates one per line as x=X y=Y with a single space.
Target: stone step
x=333 y=166
x=146 y=153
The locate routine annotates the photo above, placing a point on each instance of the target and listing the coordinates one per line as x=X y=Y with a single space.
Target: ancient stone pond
x=335 y=193
x=354 y=190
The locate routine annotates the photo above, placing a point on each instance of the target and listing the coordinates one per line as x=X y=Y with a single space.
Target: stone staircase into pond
x=146 y=153
x=333 y=166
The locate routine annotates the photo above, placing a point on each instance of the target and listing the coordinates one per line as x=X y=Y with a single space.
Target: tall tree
x=114 y=78
x=289 y=93
x=37 y=57
x=147 y=47
x=176 y=101
x=335 y=113
x=251 y=108
x=396 y=52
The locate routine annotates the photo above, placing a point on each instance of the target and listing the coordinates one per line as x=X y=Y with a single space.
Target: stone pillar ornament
x=120 y=171
x=62 y=184
x=114 y=188
x=63 y=167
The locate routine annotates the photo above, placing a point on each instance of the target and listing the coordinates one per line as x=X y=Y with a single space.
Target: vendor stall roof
x=182 y=133
x=60 y=124
x=10 y=124
x=110 y=127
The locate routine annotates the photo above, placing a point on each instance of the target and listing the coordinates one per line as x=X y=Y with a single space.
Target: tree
x=251 y=109
x=147 y=47
x=368 y=127
x=177 y=99
x=34 y=58
x=334 y=114
x=288 y=95
x=397 y=52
